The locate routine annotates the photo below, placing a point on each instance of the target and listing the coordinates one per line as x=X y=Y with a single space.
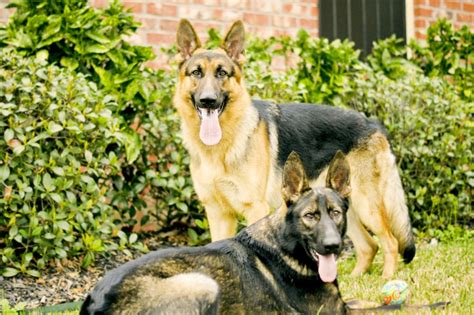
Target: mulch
x=65 y=281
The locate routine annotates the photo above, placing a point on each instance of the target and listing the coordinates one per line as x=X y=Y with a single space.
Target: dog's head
x=316 y=217
x=209 y=80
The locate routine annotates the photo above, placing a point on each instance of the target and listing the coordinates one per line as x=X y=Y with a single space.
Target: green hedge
x=84 y=186
x=55 y=164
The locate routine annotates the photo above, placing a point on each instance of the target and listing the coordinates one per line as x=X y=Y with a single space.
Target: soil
x=65 y=281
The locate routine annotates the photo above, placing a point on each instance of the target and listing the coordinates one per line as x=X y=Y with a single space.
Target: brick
x=420 y=23
x=435 y=3
x=456 y=5
x=314 y=11
x=203 y=27
x=231 y=15
x=419 y=2
x=423 y=12
x=169 y=9
x=284 y=21
x=160 y=38
x=465 y=18
x=136 y=7
x=148 y=23
x=169 y=25
x=153 y=8
x=256 y=19
x=99 y=3
x=420 y=35
x=309 y=23
x=468 y=7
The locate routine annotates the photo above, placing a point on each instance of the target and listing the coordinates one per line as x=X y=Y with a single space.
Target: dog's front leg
x=222 y=223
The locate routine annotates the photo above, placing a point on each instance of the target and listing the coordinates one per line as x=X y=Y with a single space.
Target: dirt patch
x=66 y=281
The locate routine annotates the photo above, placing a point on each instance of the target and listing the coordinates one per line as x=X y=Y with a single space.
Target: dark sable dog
x=284 y=263
x=238 y=148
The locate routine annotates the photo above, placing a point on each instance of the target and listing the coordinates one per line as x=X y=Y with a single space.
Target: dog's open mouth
x=327 y=266
x=210 y=130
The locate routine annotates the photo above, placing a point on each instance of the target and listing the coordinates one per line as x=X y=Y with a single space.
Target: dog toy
x=395 y=292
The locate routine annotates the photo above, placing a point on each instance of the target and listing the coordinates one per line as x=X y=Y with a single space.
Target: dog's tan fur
x=240 y=175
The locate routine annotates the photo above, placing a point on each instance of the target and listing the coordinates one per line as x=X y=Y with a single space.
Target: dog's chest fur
x=227 y=173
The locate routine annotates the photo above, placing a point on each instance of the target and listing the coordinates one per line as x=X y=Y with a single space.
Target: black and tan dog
x=284 y=263
x=238 y=147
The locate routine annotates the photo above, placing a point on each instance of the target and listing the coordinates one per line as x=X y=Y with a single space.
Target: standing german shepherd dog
x=284 y=263
x=238 y=147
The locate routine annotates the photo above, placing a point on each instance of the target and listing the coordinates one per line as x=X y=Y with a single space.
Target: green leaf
x=8 y=135
x=4 y=172
x=58 y=170
x=70 y=63
x=133 y=146
x=98 y=37
x=88 y=156
x=48 y=182
x=133 y=238
x=33 y=273
x=13 y=231
x=54 y=127
x=10 y=272
x=96 y=49
x=63 y=225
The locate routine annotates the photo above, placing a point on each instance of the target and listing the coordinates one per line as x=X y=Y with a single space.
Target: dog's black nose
x=331 y=245
x=208 y=102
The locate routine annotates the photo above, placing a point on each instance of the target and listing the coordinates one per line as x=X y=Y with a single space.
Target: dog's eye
x=335 y=213
x=196 y=73
x=221 y=73
x=311 y=216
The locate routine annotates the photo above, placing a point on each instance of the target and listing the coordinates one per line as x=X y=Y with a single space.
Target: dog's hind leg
x=365 y=246
x=187 y=293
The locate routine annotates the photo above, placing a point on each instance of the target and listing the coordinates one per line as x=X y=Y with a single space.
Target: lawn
x=444 y=272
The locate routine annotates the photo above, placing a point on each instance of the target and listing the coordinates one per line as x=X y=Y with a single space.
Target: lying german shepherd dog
x=284 y=263
x=238 y=147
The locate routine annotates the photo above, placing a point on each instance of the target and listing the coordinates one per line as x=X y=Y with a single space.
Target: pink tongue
x=210 y=132
x=327 y=267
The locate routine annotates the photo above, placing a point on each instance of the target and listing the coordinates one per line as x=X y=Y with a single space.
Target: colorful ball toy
x=395 y=292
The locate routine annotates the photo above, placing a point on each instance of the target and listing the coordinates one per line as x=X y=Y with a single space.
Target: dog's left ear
x=338 y=177
x=294 y=178
x=234 y=41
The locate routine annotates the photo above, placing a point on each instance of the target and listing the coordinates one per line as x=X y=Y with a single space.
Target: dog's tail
x=395 y=205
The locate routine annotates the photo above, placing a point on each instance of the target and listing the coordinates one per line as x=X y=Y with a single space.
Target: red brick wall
x=426 y=12
x=262 y=17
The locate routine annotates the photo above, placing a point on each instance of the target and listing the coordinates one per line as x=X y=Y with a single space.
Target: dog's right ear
x=187 y=39
x=294 y=178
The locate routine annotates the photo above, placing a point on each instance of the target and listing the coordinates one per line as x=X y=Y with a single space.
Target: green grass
x=438 y=273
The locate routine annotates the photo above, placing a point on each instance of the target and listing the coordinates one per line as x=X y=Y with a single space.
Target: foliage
x=56 y=164
x=91 y=41
x=325 y=68
x=389 y=57
x=449 y=54
x=427 y=122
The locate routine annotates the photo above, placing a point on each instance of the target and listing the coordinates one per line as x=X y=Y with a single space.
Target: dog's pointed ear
x=234 y=41
x=338 y=177
x=294 y=178
x=187 y=39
